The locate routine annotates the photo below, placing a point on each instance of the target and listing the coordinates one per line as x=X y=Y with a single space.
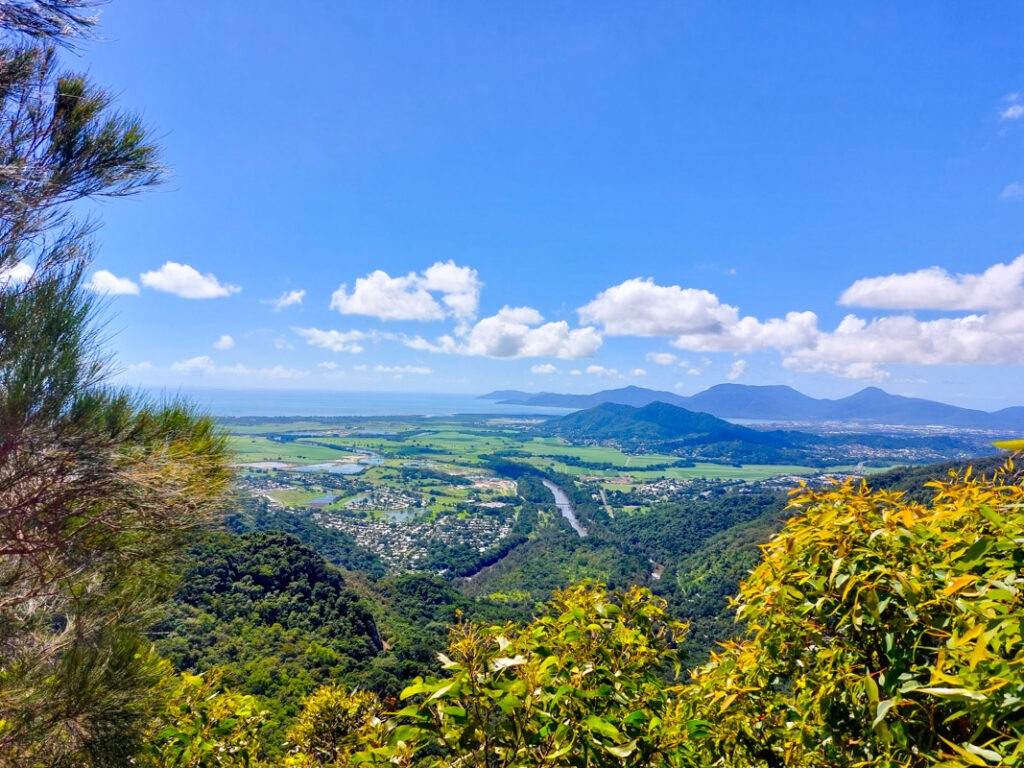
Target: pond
x=334 y=469
x=322 y=501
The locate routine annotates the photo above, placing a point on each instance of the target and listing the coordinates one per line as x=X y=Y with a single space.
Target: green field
x=277 y=427
x=707 y=471
x=250 y=449
x=295 y=496
x=459 y=445
x=548 y=446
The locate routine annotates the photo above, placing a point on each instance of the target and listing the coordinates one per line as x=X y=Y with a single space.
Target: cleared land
x=250 y=449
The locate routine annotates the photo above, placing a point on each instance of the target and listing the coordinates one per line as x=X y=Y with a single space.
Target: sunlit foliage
x=583 y=684
x=882 y=633
x=205 y=726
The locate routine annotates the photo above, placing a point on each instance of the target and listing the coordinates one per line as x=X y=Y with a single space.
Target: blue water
x=334 y=469
x=292 y=402
x=323 y=500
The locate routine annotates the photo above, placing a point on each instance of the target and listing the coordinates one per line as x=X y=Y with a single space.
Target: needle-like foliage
x=61 y=20
x=99 y=490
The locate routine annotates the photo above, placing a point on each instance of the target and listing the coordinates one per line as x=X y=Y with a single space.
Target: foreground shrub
x=881 y=633
x=205 y=726
x=581 y=685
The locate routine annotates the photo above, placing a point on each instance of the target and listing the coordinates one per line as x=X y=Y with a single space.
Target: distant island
x=784 y=404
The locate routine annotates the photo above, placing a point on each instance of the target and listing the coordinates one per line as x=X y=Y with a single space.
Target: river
x=562 y=502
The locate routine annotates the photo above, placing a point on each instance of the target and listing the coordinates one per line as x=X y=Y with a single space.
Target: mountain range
x=781 y=403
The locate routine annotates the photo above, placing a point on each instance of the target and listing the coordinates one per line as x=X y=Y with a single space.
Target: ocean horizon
x=294 y=402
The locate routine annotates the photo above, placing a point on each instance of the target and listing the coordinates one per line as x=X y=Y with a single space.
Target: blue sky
x=571 y=196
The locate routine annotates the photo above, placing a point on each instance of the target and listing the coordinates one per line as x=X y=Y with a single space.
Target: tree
x=99 y=489
x=205 y=726
x=882 y=632
x=60 y=20
x=582 y=685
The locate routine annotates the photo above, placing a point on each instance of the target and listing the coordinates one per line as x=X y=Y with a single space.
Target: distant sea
x=292 y=402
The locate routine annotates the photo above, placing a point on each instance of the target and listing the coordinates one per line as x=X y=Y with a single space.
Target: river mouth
x=562 y=502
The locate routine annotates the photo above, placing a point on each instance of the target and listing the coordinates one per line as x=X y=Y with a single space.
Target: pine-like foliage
x=61 y=20
x=98 y=490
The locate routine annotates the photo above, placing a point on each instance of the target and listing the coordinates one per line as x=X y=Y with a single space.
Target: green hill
x=656 y=421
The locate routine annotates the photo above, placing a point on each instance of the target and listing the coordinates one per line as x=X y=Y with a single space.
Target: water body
x=562 y=502
x=323 y=501
x=297 y=402
x=334 y=469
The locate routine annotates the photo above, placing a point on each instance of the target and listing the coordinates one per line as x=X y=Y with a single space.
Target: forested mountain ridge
x=654 y=422
x=783 y=403
x=662 y=427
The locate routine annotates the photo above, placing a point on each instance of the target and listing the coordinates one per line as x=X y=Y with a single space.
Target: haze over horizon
x=571 y=199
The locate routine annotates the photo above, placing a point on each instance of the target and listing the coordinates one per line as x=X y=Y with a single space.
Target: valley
x=455 y=496
x=411 y=524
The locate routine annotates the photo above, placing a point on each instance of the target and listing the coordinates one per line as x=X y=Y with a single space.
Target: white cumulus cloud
x=224 y=342
x=336 y=341
x=1001 y=286
x=204 y=366
x=698 y=320
x=544 y=368
x=516 y=332
x=105 y=282
x=419 y=370
x=411 y=297
x=201 y=364
x=187 y=282
x=1012 y=112
x=1012 y=190
x=639 y=307
x=867 y=371
x=989 y=339
x=459 y=287
x=286 y=299
x=638 y=372
x=747 y=334
x=736 y=370
x=600 y=370
x=661 y=358
x=16 y=275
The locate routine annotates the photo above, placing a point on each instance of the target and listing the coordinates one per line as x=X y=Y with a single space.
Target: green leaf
x=986 y=754
x=871 y=688
x=881 y=710
x=504 y=663
x=622 y=750
x=602 y=727
x=954 y=694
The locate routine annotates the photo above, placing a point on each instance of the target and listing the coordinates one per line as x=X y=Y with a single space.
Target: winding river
x=562 y=502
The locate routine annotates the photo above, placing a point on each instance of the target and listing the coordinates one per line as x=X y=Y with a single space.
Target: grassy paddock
x=249 y=449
